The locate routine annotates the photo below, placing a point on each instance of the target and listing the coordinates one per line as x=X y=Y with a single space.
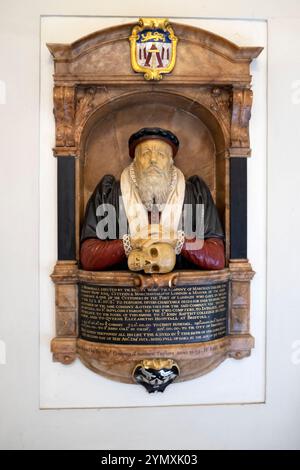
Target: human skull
x=157 y=258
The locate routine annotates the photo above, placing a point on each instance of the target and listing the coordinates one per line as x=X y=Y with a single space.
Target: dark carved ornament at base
x=156 y=375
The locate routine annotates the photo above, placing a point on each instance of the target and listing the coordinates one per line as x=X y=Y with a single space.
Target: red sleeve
x=98 y=254
x=210 y=256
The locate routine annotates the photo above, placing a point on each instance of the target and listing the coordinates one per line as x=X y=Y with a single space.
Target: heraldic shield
x=153 y=48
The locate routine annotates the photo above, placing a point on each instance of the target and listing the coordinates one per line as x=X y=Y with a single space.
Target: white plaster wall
x=23 y=425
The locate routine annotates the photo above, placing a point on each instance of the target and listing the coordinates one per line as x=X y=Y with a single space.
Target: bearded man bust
x=152 y=205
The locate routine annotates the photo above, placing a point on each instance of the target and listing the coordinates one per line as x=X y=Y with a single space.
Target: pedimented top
x=104 y=56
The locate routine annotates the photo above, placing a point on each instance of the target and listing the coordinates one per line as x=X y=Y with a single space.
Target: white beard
x=154 y=188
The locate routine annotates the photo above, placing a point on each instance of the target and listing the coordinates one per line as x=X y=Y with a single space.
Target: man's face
x=153 y=157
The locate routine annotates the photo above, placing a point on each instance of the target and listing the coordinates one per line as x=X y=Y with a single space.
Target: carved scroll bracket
x=70 y=111
x=241 y=113
x=64 y=113
x=221 y=106
x=64 y=350
x=73 y=105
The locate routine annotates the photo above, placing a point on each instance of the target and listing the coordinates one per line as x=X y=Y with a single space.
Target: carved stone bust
x=169 y=220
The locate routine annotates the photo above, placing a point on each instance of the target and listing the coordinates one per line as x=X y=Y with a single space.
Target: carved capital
x=65 y=152
x=221 y=106
x=240 y=346
x=65 y=272
x=85 y=104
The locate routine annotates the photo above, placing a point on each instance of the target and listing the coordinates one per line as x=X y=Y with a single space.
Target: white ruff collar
x=136 y=212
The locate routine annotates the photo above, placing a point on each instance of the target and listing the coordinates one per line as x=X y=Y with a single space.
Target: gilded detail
x=153 y=48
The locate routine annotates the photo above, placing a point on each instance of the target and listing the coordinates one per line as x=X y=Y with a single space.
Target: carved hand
x=152 y=234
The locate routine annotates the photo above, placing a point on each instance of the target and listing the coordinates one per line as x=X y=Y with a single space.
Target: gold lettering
x=125 y=315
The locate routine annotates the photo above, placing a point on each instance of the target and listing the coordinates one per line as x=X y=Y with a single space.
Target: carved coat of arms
x=153 y=48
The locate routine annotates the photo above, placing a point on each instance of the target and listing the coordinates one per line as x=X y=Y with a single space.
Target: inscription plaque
x=124 y=315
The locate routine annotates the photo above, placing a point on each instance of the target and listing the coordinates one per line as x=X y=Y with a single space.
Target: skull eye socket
x=154 y=252
x=155 y=268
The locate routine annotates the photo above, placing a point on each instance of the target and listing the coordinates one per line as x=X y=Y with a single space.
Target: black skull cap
x=153 y=133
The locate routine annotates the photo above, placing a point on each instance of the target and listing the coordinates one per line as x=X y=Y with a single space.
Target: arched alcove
x=104 y=140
